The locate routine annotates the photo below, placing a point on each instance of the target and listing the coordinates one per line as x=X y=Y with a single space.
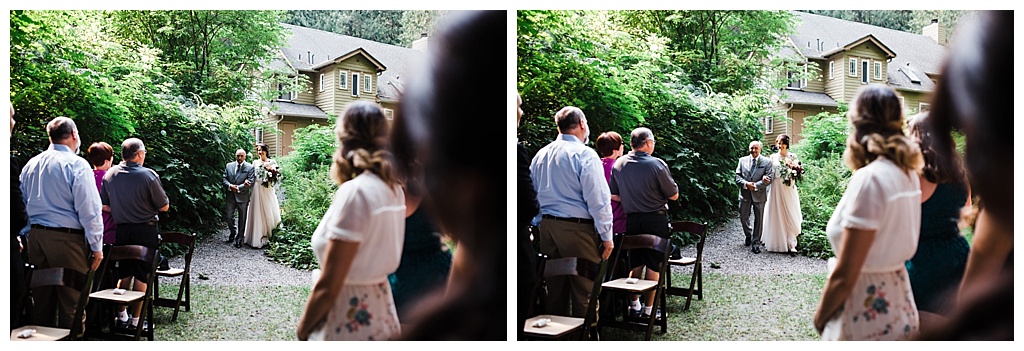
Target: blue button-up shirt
x=60 y=191
x=569 y=179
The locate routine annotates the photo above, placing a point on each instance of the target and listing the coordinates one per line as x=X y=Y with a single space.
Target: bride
x=264 y=213
x=782 y=211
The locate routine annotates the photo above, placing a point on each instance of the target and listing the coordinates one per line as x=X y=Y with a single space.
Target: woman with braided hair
x=874 y=228
x=359 y=240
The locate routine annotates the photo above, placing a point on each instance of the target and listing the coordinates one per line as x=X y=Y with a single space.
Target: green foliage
x=69 y=64
x=309 y=190
x=213 y=54
x=398 y=28
x=623 y=78
x=825 y=179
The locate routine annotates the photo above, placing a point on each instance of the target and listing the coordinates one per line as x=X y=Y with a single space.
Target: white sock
x=635 y=305
x=135 y=322
x=124 y=316
x=647 y=310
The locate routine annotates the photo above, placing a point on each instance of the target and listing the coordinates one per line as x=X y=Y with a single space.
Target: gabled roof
x=817 y=35
x=349 y=55
x=399 y=62
x=868 y=38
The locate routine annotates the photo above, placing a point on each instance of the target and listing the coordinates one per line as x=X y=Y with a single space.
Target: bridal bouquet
x=270 y=173
x=790 y=170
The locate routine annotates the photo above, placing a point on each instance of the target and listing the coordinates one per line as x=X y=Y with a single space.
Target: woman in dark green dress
x=425 y=261
x=938 y=266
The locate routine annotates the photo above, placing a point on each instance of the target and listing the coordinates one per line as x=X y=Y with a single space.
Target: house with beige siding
x=846 y=55
x=338 y=70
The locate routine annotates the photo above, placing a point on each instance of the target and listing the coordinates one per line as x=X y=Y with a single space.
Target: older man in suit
x=238 y=179
x=753 y=174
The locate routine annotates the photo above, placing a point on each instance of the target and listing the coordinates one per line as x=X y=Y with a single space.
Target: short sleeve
x=350 y=221
x=866 y=205
x=668 y=185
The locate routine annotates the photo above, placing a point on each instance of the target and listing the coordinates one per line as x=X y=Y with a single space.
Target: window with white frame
x=903 y=103
x=282 y=91
x=389 y=113
x=831 y=70
x=321 y=82
x=853 y=67
x=768 y=127
x=367 y=82
x=794 y=81
x=803 y=79
x=342 y=80
x=258 y=133
x=878 y=70
x=355 y=84
x=923 y=107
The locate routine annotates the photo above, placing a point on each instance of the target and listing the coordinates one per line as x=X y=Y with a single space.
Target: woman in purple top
x=101 y=156
x=609 y=146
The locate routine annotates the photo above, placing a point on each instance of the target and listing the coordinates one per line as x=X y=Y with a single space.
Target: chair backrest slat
x=645 y=241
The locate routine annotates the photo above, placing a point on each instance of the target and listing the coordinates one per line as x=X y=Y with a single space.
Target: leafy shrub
x=825 y=179
x=308 y=193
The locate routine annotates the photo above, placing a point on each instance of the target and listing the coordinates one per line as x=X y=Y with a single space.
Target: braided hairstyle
x=877 y=120
x=362 y=134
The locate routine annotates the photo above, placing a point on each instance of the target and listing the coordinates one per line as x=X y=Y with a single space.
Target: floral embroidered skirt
x=362 y=312
x=881 y=307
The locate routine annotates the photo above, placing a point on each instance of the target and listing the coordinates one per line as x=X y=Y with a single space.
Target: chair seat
x=640 y=286
x=41 y=334
x=558 y=326
x=128 y=296
x=685 y=261
x=173 y=272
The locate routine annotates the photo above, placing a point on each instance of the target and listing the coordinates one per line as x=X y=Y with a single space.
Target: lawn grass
x=741 y=307
x=233 y=313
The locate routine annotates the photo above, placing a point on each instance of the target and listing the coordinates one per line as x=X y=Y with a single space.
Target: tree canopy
x=398 y=28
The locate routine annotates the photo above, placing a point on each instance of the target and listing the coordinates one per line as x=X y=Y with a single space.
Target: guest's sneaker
x=756 y=250
x=647 y=316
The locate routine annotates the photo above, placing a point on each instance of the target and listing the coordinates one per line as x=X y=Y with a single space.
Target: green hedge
x=825 y=178
x=308 y=191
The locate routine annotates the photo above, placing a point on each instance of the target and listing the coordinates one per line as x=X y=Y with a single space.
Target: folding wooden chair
x=621 y=287
x=56 y=277
x=697 y=278
x=184 y=288
x=558 y=326
x=125 y=253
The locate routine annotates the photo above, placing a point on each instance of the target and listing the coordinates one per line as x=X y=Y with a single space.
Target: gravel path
x=224 y=264
x=724 y=247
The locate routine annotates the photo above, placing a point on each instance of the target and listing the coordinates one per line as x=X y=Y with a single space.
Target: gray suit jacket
x=232 y=176
x=746 y=173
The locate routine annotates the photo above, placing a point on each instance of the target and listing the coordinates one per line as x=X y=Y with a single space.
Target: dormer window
x=342 y=80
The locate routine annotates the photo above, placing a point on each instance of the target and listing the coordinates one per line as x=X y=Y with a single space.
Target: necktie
x=239 y=168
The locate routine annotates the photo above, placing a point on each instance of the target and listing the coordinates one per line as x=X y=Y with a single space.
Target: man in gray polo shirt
x=134 y=197
x=643 y=185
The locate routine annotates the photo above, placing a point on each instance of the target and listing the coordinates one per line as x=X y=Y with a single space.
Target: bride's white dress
x=264 y=212
x=782 y=213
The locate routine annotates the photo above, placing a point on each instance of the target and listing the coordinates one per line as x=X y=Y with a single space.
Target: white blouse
x=365 y=210
x=883 y=198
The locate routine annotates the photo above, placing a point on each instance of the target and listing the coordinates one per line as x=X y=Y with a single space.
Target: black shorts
x=646 y=223
x=136 y=234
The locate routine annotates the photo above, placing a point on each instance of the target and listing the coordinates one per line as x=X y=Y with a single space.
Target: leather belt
x=60 y=230
x=574 y=220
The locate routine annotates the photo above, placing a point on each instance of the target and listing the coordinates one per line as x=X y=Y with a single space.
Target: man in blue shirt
x=63 y=209
x=575 y=208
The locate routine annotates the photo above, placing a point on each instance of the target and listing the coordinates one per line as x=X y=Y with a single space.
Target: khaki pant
x=55 y=306
x=567 y=296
